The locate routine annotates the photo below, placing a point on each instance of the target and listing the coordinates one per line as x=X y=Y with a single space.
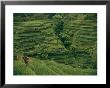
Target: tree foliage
x=67 y=38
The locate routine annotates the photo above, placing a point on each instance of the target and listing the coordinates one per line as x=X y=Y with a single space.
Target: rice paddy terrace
x=37 y=39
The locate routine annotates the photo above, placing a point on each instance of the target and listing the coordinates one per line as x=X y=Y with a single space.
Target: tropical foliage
x=56 y=43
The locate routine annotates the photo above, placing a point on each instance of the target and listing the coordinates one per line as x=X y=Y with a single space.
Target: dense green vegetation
x=56 y=43
x=46 y=67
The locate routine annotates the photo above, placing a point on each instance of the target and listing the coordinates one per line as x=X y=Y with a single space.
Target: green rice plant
x=21 y=69
x=40 y=68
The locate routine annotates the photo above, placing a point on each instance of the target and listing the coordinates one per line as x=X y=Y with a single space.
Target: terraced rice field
x=37 y=39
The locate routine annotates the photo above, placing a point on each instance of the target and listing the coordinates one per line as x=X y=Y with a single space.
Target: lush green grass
x=46 y=67
x=66 y=46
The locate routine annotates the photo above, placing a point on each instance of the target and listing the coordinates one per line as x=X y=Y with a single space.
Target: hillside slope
x=63 y=39
x=46 y=67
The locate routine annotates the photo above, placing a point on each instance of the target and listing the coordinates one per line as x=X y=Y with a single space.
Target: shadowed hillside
x=61 y=44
